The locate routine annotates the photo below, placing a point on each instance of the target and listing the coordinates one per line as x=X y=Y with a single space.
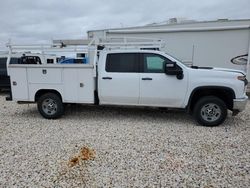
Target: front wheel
x=50 y=106
x=210 y=111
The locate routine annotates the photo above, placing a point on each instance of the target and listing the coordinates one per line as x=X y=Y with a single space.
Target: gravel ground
x=131 y=148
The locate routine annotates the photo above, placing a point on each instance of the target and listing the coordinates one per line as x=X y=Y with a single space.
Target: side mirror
x=171 y=68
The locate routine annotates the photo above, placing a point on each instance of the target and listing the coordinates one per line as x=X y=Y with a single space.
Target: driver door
x=157 y=88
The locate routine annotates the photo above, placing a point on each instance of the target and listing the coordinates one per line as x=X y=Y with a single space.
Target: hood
x=229 y=70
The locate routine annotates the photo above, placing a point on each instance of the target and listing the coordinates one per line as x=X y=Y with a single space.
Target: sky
x=40 y=21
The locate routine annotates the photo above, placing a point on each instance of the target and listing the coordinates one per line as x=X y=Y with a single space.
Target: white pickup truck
x=132 y=78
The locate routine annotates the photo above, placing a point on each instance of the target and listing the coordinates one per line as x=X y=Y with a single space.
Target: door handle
x=107 y=78
x=81 y=85
x=147 y=78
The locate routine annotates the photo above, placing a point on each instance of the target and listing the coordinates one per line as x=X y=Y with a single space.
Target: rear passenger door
x=118 y=80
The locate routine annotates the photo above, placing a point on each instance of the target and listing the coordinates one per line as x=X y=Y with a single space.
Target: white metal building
x=211 y=43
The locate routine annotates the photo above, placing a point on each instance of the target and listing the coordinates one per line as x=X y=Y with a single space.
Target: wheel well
x=224 y=93
x=43 y=91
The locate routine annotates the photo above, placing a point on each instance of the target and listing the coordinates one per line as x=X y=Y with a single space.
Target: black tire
x=50 y=106
x=210 y=111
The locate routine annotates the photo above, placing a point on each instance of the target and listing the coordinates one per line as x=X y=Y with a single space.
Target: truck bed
x=75 y=83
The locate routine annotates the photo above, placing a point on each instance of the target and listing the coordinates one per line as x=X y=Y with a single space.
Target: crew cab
x=147 y=78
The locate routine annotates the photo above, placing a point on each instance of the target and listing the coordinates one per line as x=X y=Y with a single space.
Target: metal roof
x=212 y=25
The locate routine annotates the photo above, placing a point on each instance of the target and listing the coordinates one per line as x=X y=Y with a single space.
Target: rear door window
x=123 y=62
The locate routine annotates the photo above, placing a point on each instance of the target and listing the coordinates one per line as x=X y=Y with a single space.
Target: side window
x=154 y=63
x=122 y=62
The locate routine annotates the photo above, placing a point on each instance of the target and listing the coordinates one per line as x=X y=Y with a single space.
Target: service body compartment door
x=78 y=85
x=45 y=75
x=118 y=81
x=19 y=83
x=70 y=86
x=86 y=85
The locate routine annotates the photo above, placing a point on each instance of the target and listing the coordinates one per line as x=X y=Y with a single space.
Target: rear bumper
x=240 y=104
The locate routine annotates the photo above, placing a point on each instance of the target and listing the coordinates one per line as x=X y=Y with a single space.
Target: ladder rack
x=90 y=47
x=85 y=45
x=111 y=43
x=45 y=48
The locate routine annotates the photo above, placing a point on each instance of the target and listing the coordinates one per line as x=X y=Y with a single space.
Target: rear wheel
x=210 y=111
x=50 y=106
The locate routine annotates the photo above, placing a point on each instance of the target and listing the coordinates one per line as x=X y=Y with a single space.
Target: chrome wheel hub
x=210 y=112
x=49 y=106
